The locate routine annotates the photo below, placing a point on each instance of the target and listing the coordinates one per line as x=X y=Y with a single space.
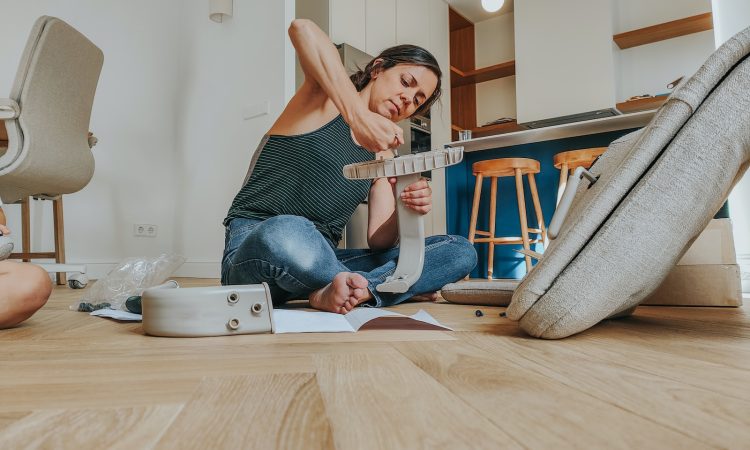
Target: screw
x=478 y=313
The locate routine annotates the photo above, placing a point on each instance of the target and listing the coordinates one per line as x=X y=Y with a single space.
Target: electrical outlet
x=145 y=230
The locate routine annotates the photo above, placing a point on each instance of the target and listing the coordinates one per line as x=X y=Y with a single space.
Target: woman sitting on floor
x=285 y=223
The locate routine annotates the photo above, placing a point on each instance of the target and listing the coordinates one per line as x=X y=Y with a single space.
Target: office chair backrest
x=48 y=152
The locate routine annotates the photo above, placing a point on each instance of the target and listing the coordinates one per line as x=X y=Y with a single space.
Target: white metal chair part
x=407 y=170
x=171 y=311
x=567 y=199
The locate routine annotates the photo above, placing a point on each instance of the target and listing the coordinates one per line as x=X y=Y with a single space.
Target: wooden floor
x=665 y=378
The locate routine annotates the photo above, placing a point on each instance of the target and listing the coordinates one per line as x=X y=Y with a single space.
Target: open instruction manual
x=292 y=321
x=296 y=321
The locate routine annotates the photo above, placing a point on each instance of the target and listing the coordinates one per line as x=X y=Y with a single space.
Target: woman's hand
x=416 y=196
x=374 y=132
x=4 y=230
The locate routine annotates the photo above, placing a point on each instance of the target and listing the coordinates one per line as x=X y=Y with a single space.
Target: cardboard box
x=707 y=275
x=715 y=245
x=699 y=285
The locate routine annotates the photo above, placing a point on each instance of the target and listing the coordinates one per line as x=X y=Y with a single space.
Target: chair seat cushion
x=480 y=292
x=657 y=189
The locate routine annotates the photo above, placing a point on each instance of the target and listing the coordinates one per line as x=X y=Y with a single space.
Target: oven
x=416 y=135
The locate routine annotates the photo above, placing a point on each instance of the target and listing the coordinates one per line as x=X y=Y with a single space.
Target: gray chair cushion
x=480 y=292
x=48 y=151
x=657 y=190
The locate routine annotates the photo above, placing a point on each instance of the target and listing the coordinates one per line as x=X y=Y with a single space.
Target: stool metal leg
x=563 y=181
x=57 y=212
x=25 y=228
x=475 y=208
x=522 y=216
x=493 y=211
x=538 y=208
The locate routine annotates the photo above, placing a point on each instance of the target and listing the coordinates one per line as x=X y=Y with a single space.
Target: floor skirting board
x=190 y=269
x=212 y=269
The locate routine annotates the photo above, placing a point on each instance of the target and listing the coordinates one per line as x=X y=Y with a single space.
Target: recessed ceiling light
x=492 y=5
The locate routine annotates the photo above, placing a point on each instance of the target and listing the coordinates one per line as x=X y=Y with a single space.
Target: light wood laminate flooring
x=664 y=378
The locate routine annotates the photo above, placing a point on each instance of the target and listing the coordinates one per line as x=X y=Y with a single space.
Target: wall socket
x=145 y=230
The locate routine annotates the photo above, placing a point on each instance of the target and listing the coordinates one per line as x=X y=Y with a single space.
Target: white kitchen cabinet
x=347 y=22
x=564 y=59
x=413 y=22
x=380 y=25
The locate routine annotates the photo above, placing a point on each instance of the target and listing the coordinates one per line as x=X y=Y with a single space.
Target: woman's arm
x=382 y=222
x=324 y=71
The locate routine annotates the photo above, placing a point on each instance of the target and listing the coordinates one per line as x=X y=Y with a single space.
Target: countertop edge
x=603 y=125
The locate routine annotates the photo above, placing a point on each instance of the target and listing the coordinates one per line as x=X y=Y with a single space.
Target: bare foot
x=341 y=295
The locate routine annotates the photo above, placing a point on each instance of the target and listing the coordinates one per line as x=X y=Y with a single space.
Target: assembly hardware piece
x=407 y=170
x=207 y=311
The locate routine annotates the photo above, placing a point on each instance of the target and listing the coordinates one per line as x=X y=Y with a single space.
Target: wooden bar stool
x=506 y=167
x=570 y=160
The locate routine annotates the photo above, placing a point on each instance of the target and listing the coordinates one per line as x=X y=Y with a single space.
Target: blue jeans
x=295 y=259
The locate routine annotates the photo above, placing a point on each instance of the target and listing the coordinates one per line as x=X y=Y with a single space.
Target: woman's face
x=396 y=93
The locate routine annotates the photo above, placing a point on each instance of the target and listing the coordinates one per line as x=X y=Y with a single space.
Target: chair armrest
x=9 y=109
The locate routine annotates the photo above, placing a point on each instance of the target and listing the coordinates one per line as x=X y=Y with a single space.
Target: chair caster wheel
x=78 y=281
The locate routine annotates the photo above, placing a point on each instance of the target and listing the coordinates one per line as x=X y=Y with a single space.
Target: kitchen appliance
x=416 y=134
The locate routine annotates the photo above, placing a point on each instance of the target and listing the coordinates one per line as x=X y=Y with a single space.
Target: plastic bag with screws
x=129 y=278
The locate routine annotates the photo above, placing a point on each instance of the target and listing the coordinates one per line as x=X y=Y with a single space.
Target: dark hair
x=401 y=54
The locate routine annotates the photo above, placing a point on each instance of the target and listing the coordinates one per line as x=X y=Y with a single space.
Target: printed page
x=292 y=321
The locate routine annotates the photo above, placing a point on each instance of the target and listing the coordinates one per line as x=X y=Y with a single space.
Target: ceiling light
x=492 y=5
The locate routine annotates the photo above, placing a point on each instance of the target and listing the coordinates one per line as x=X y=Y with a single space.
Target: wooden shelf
x=664 y=31
x=642 y=104
x=461 y=78
x=457 y=22
x=489 y=130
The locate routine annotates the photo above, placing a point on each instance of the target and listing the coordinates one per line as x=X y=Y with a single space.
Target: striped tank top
x=301 y=175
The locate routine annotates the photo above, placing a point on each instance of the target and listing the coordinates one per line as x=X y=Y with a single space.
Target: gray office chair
x=47 y=116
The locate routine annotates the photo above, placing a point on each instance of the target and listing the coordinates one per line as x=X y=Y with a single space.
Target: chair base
x=169 y=311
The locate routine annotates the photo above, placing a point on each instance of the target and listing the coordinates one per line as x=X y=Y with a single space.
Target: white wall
x=134 y=116
x=494 y=43
x=441 y=111
x=173 y=147
x=232 y=66
x=731 y=17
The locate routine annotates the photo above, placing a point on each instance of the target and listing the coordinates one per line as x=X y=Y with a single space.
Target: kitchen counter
x=568 y=130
